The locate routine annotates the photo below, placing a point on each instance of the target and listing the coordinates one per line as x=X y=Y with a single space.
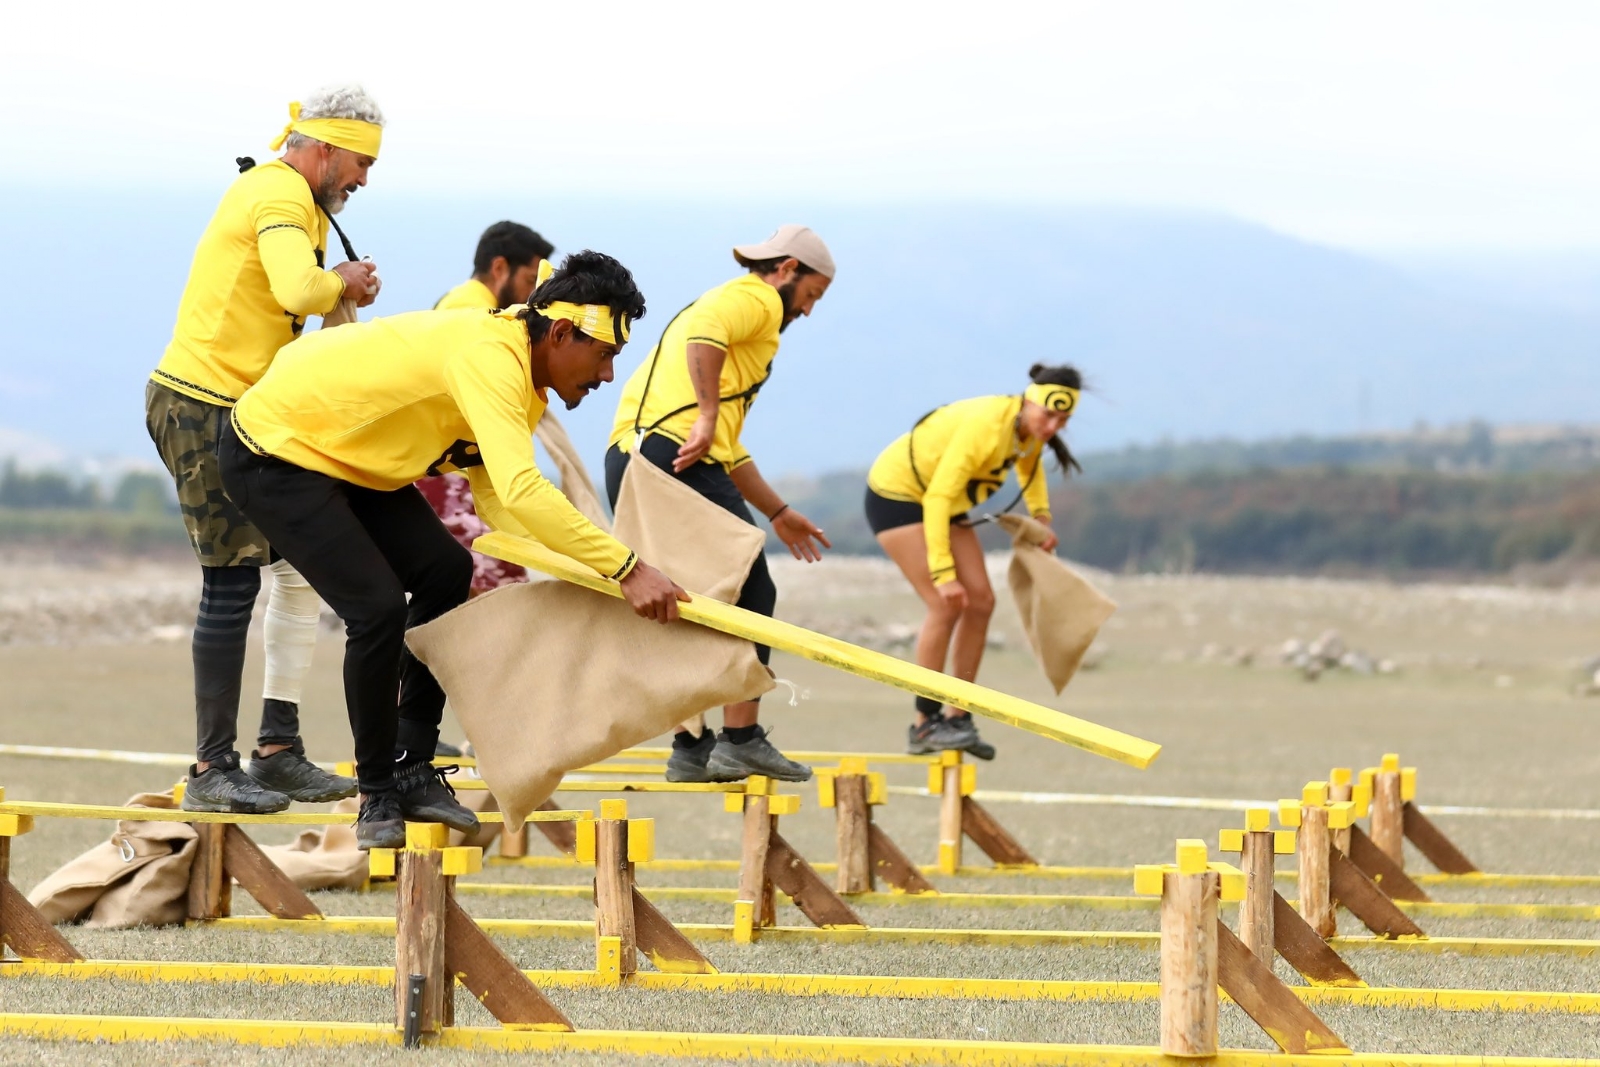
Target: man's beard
x=329 y=196
x=786 y=293
x=586 y=386
x=506 y=297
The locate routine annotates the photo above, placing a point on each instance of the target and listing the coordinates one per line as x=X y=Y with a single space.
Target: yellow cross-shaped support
x=1258 y=821
x=1149 y=879
x=641 y=834
x=1341 y=813
x=952 y=758
x=761 y=786
x=1390 y=764
x=13 y=825
x=427 y=837
x=877 y=784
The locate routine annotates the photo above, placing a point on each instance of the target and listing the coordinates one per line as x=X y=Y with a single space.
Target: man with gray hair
x=258 y=273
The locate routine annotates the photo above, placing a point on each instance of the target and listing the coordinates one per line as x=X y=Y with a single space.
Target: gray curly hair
x=348 y=101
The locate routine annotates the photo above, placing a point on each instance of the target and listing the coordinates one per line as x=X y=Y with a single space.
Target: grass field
x=1481 y=702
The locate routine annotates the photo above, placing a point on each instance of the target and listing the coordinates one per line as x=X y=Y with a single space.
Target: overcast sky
x=1373 y=125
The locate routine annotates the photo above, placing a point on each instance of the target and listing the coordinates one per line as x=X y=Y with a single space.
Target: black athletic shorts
x=885 y=514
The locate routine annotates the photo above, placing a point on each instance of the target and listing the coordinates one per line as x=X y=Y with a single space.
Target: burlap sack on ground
x=546 y=677
x=1061 y=612
x=138 y=878
x=575 y=482
x=324 y=859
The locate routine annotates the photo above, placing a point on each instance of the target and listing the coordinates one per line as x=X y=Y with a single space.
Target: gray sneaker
x=426 y=796
x=689 y=764
x=730 y=762
x=224 y=787
x=975 y=745
x=938 y=735
x=290 y=773
x=380 y=823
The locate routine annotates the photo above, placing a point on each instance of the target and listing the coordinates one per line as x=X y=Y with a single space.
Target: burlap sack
x=139 y=877
x=546 y=677
x=323 y=859
x=344 y=311
x=1061 y=612
x=575 y=483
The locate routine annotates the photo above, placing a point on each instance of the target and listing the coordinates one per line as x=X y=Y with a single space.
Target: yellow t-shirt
x=385 y=402
x=741 y=317
x=257 y=274
x=954 y=459
x=469 y=294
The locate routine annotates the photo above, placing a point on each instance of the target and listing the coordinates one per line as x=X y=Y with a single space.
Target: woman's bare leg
x=972 y=626
x=907 y=547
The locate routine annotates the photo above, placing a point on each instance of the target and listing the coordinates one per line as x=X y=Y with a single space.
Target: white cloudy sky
x=1383 y=125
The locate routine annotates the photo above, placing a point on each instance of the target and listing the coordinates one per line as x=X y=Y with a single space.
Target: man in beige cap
x=684 y=411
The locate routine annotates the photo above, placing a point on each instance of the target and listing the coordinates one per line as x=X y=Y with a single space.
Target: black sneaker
x=224 y=787
x=975 y=745
x=290 y=773
x=689 y=764
x=731 y=763
x=940 y=734
x=447 y=750
x=380 y=823
x=426 y=796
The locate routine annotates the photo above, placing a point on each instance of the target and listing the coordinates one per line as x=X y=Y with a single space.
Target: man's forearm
x=705 y=374
x=755 y=490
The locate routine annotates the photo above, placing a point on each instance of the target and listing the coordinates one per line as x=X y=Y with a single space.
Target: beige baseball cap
x=791 y=239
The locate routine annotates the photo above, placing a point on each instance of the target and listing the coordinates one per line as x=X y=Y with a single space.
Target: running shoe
x=689 y=764
x=976 y=745
x=381 y=824
x=427 y=796
x=940 y=734
x=730 y=762
x=290 y=773
x=224 y=787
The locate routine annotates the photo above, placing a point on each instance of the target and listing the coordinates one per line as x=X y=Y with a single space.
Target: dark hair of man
x=1068 y=375
x=520 y=245
x=584 y=278
x=767 y=266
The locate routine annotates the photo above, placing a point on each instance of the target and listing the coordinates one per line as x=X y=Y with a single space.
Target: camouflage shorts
x=185 y=432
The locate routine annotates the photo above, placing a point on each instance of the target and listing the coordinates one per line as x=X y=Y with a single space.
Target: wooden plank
x=1311 y=848
x=1388 y=822
x=790 y=872
x=613 y=891
x=1189 y=964
x=419 y=936
x=841 y=655
x=1274 y=1007
x=1376 y=865
x=753 y=845
x=243 y=860
x=1255 y=912
x=995 y=840
x=490 y=976
x=852 y=826
x=664 y=943
x=563 y=835
x=893 y=865
x=1433 y=843
x=30 y=934
x=1305 y=950
x=1361 y=895
x=210 y=888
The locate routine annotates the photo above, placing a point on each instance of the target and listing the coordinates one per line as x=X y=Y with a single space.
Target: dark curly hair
x=1068 y=375
x=585 y=278
x=520 y=245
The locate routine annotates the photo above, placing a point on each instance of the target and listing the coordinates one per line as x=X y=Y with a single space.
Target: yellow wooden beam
x=45 y=810
x=841 y=655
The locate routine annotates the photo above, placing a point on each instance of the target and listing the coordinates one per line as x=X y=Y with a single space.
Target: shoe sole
x=323 y=798
x=386 y=839
x=220 y=808
x=456 y=824
x=699 y=778
x=740 y=774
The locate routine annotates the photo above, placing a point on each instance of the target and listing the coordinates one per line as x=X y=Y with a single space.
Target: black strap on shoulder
x=911 y=454
x=244 y=163
x=349 y=249
x=638 y=416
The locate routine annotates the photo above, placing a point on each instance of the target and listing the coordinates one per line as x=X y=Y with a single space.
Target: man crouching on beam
x=322 y=452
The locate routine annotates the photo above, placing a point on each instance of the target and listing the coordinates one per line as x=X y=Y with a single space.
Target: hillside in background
x=1188 y=326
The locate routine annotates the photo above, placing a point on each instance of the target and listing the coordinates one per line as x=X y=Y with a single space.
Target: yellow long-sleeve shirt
x=257 y=274
x=469 y=294
x=385 y=402
x=954 y=459
x=742 y=317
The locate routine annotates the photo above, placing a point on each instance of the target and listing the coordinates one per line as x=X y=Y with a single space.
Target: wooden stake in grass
x=613 y=884
x=1388 y=814
x=420 y=915
x=1309 y=816
x=865 y=852
x=768 y=863
x=1341 y=786
x=210 y=888
x=1258 y=847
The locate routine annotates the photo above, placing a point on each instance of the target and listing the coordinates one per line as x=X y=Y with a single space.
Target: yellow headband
x=352 y=134
x=596 y=320
x=1053 y=397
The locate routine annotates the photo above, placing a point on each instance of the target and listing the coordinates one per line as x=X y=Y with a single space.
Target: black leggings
x=362 y=550
x=759 y=594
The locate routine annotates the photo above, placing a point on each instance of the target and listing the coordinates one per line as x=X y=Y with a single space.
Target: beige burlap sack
x=1061 y=612
x=575 y=482
x=138 y=878
x=323 y=859
x=546 y=677
x=344 y=311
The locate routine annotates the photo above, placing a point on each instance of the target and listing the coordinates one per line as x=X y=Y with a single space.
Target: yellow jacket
x=954 y=459
x=740 y=317
x=469 y=294
x=385 y=402
x=257 y=274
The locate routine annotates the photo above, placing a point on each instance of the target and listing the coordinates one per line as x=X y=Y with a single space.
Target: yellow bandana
x=1053 y=397
x=351 y=134
x=596 y=320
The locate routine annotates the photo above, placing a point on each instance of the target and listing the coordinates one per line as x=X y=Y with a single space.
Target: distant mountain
x=1188 y=326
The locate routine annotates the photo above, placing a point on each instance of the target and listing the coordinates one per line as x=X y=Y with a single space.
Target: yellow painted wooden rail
x=45 y=810
x=841 y=655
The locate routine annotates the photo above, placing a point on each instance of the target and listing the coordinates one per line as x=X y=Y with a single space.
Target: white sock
x=292 y=611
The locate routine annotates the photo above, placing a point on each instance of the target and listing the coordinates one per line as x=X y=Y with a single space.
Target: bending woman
x=918 y=493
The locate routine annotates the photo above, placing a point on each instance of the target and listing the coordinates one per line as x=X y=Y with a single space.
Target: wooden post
x=1258 y=859
x=1388 y=815
x=613 y=885
x=421 y=909
x=514 y=845
x=1311 y=848
x=947 y=772
x=1340 y=787
x=210 y=888
x=1189 y=963
x=5 y=879
x=854 y=826
x=750 y=907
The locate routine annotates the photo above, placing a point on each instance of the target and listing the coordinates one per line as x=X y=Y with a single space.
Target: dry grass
x=1256 y=732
